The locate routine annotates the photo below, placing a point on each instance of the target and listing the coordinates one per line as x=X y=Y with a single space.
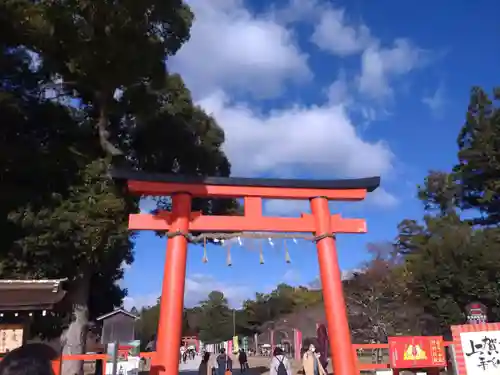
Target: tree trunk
x=74 y=337
x=102 y=99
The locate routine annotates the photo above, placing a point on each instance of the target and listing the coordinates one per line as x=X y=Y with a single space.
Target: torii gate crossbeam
x=181 y=220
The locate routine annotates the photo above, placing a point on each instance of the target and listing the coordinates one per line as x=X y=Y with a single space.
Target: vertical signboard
x=477 y=348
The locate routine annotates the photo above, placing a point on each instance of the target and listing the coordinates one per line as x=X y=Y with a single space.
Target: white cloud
x=379 y=65
x=292 y=276
x=296 y=10
x=317 y=140
x=338 y=91
x=230 y=48
x=140 y=301
x=197 y=288
x=382 y=198
x=233 y=50
x=334 y=34
x=281 y=207
x=436 y=101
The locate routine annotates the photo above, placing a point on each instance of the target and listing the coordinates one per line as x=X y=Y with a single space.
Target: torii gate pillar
x=341 y=351
x=180 y=221
x=172 y=291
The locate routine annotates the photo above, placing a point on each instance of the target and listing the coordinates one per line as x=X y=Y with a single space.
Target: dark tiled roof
x=30 y=295
x=117 y=311
x=369 y=183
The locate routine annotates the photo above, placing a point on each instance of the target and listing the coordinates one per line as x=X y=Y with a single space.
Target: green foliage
x=147 y=324
x=439 y=193
x=103 y=47
x=216 y=323
x=478 y=168
x=42 y=144
x=37 y=141
x=87 y=230
x=450 y=261
x=213 y=319
x=61 y=215
x=451 y=265
x=283 y=300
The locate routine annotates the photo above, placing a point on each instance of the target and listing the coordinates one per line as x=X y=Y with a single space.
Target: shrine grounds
x=259 y=365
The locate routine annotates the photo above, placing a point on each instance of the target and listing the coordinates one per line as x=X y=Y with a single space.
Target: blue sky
x=322 y=89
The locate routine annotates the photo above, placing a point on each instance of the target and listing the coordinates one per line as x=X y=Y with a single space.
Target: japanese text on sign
x=481 y=352
x=416 y=352
x=437 y=351
x=11 y=337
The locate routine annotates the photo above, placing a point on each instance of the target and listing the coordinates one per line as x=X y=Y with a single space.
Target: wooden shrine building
x=117 y=325
x=20 y=300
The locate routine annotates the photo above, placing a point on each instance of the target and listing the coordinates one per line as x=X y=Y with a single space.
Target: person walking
x=224 y=363
x=280 y=365
x=242 y=358
x=205 y=367
x=182 y=350
x=310 y=362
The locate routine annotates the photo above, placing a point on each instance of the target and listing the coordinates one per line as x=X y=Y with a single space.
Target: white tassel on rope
x=287 y=254
x=205 y=256
x=261 y=255
x=229 y=262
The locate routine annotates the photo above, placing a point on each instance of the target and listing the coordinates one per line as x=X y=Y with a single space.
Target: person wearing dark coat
x=243 y=360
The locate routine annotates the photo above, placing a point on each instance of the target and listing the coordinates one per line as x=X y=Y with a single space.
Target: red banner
x=416 y=352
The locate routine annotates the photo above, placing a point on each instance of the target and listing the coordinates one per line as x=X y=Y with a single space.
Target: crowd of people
x=187 y=353
x=36 y=359
x=279 y=365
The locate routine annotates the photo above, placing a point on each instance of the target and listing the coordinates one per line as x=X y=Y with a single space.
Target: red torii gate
x=180 y=221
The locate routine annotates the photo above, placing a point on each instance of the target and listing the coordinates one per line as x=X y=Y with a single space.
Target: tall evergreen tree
x=478 y=170
x=216 y=323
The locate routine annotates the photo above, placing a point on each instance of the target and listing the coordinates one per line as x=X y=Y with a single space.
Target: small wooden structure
x=117 y=325
x=19 y=301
